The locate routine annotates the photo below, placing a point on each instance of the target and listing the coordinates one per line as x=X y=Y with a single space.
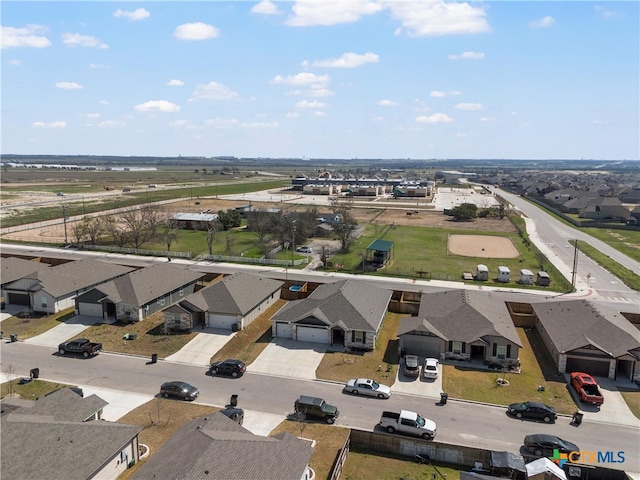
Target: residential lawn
x=161 y=419
x=247 y=344
x=343 y=366
x=33 y=390
x=633 y=401
x=628 y=277
x=329 y=440
x=30 y=327
x=359 y=465
x=150 y=332
x=625 y=241
x=537 y=369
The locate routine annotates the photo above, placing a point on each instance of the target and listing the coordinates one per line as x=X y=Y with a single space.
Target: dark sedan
x=231 y=367
x=542 y=444
x=178 y=389
x=533 y=410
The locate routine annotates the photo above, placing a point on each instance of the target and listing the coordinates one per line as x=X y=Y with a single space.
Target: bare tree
x=142 y=224
x=228 y=243
x=79 y=230
x=344 y=224
x=212 y=228
x=95 y=227
x=169 y=235
x=118 y=234
x=9 y=371
x=261 y=223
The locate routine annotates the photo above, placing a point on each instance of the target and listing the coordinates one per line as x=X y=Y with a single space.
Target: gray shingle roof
x=351 y=304
x=215 y=447
x=15 y=268
x=578 y=323
x=149 y=283
x=236 y=294
x=462 y=315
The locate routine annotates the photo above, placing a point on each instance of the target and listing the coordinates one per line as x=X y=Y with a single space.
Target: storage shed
x=482 y=273
x=543 y=279
x=504 y=274
x=526 y=277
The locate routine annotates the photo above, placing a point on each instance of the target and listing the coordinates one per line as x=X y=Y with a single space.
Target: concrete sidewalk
x=200 y=350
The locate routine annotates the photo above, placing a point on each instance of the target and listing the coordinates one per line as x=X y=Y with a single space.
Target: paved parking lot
x=288 y=358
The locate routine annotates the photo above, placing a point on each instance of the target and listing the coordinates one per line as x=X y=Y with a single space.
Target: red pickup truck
x=587 y=388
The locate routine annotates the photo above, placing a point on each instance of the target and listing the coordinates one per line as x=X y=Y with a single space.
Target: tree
x=78 y=231
x=119 y=235
x=141 y=224
x=260 y=222
x=169 y=235
x=229 y=219
x=212 y=228
x=228 y=241
x=95 y=227
x=344 y=224
x=464 y=212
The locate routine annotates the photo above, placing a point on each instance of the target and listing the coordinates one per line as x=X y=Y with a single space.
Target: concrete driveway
x=66 y=330
x=120 y=403
x=200 y=350
x=418 y=386
x=288 y=358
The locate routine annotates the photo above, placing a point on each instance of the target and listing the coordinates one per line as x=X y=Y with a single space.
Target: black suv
x=535 y=410
x=178 y=389
x=230 y=366
x=314 y=407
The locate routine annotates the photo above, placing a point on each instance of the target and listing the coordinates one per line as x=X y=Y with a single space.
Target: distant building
x=195 y=221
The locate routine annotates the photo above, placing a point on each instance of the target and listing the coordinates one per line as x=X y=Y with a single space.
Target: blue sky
x=322 y=79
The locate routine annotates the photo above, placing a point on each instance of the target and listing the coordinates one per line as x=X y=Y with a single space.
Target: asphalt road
x=458 y=422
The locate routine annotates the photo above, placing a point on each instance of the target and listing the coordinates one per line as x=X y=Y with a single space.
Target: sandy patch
x=483 y=246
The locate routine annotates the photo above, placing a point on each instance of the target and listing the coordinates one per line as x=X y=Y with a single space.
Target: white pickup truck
x=408 y=422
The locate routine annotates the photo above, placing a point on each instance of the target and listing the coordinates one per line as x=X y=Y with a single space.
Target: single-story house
x=231 y=303
x=217 y=447
x=347 y=312
x=602 y=208
x=585 y=338
x=60 y=436
x=193 y=221
x=134 y=296
x=55 y=288
x=461 y=325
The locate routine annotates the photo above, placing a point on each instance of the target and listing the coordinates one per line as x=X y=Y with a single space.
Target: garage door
x=222 y=321
x=597 y=368
x=284 y=330
x=92 y=309
x=19 y=299
x=421 y=345
x=311 y=334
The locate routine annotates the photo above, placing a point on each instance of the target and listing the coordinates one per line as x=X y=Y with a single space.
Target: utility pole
x=575 y=265
x=64 y=218
x=293 y=241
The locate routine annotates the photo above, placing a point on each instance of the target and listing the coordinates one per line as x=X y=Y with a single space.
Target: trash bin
x=14 y=337
x=577 y=418
x=234 y=400
x=35 y=372
x=154 y=358
x=2 y=305
x=443 y=398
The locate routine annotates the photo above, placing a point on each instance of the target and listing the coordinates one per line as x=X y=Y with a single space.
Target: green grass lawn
x=30 y=327
x=628 y=277
x=625 y=241
x=33 y=390
x=359 y=465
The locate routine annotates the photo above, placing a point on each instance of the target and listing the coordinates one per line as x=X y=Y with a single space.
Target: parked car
x=408 y=422
x=587 y=388
x=366 y=386
x=179 y=389
x=430 y=369
x=534 y=410
x=80 y=346
x=304 y=249
x=543 y=445
x=314 y=407
x=60 y=194
x=411 y=366
x=230 y=366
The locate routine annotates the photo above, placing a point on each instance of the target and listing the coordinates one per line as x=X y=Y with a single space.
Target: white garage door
x=222 y=321
x=283 y=330
x=311 y=334
x=91 y=309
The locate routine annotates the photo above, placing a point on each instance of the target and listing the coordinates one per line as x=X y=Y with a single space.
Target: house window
x=456 y=347
x=358 y=337
x=501 y=351
x=43 y=301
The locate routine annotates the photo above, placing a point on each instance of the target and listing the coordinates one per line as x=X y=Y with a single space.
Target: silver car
x=366 y=386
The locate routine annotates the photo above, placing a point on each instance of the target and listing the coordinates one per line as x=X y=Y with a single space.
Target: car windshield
x=420 y=421
x=375 y=385
x=562 y=444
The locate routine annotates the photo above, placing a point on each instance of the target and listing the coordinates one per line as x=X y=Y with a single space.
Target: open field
x=482 y=246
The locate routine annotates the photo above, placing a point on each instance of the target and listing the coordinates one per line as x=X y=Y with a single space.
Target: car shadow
x=531 y=420
x=585 y=407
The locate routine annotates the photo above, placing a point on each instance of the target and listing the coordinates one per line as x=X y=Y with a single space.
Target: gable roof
x=462 y=315
x=208 y=447
x=351 y=304
x=15 y=268
x=70 y=277
x=148 y=284
x=380 y=245
x=575 y=324
x=236 y=294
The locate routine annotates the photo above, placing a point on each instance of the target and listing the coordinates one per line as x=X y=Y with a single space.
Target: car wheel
x=519 y=415
x=214 y=371
x=187 y=398
x=381 y=395
x=61 y=351
x=427 y=436
x=234 y=374
x=547 y=419
x=354 y=391
x=391 y=429
x=538 y=453
x=85 y=354
x=165 y=395
x=331 y=420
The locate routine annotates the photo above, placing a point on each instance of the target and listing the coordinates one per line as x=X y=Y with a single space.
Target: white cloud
x=347 y=60
x=103 y=102
x=313 y=12
x=111 y=124
x=265 y=7
x=195 y=31
x=545 y=22
x=56 y=124
x=221 y=122
x=69 y=86
x=138 y=14
x=438 y=17
x=213 y=91
x=303 y=78
x=606 y=13
x=435 y=118
x=14 y=62
x=157 y=106
x=77 y=40
x=440 y=93
x=99 y=66
x=377 y=119
x=600 y=122
x=487 y=119
x=461 y=135
x=468 y=106
x=308 y=104
x=469 y=55
x=179 y=123
x=387 y=103
x=175 y=83
x=320 y=113
x=292 y=115
x=259 y=124
x=514 y=113
x=92 y=115
x=28 y=36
